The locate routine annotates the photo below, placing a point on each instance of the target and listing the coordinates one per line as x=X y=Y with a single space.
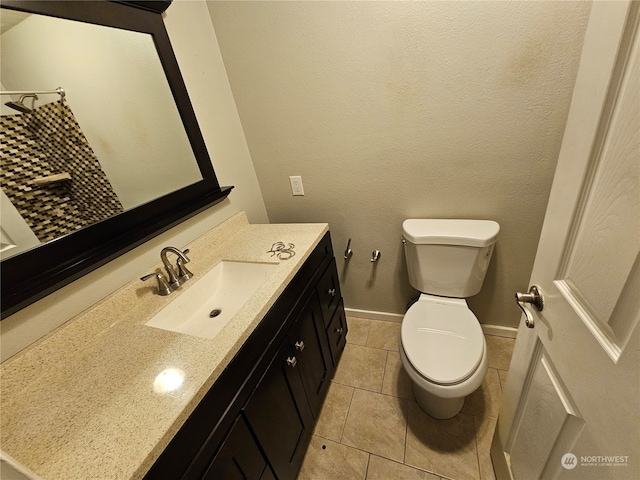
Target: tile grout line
x=406 y=436
x=366 y=470
x=384 y=371
x=360 y=448
x=475 y=441
x=344 y=424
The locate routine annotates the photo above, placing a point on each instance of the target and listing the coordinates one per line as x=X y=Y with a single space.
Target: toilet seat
x=442 y=339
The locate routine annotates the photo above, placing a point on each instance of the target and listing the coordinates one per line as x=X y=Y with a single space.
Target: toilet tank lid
x=445 y=231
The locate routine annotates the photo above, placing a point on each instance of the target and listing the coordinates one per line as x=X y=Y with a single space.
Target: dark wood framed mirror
x=39 y=271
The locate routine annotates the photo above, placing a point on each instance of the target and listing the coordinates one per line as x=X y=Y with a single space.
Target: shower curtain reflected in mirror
x=50 y=172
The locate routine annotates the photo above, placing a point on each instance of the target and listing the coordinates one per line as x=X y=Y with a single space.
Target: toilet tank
x=448 y=257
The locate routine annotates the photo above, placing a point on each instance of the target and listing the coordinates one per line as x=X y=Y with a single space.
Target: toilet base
x=437 y=407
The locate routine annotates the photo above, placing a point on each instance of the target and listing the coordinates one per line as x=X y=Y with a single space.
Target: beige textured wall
x=393 y=110
x=195 y=46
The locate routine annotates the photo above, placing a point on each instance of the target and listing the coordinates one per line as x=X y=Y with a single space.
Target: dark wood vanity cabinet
x=284 y=406
x=279 y=414
x=313 y=353
x=257 y=419
x=239 y=458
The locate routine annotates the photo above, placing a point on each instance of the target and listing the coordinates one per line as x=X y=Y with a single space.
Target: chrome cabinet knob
x=299 y=345
x=533 y=297
x=331 y=292
x=292 y=362
x=339 y=331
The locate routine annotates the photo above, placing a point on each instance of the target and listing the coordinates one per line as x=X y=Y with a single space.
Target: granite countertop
x=80 y=403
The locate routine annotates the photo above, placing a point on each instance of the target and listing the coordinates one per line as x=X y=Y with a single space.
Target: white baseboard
x=495 y=330
x=499 y=331
x=371 y=315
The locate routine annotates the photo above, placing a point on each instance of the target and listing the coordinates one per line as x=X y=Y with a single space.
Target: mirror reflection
x=114 y=141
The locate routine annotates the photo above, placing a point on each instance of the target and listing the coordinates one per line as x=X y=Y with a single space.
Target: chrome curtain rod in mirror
x=21 y=107
x=60 y=91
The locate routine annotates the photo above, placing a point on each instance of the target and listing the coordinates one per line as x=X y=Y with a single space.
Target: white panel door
x=571 y=406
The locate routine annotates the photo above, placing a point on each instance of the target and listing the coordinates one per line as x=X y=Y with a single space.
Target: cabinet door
x=329 y=292
x=337 y=333
x=267 y=474
x=238 y=458
x=279 y=414
x=313 y=353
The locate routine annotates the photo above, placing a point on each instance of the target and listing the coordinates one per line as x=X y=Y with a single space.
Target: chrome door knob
x=299 y=345
x=535 y=298
x=331 y=292
x=292 y=361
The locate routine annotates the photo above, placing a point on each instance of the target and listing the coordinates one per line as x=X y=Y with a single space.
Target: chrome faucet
x=175 y=280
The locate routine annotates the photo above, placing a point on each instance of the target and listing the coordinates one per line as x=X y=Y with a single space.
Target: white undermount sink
x=213 y=300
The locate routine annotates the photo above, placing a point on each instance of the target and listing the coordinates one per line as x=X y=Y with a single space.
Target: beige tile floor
x=370 y=426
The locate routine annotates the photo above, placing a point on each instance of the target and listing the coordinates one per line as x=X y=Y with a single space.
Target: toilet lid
x=444 y=343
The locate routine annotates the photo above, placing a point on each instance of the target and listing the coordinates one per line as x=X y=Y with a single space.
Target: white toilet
x=442 y=346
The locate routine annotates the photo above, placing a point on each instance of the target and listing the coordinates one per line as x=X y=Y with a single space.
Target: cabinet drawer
x=329 y=292
x=337 y=333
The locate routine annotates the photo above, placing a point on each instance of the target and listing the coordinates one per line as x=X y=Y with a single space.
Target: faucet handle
x=183 y=272
x=163 y=286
